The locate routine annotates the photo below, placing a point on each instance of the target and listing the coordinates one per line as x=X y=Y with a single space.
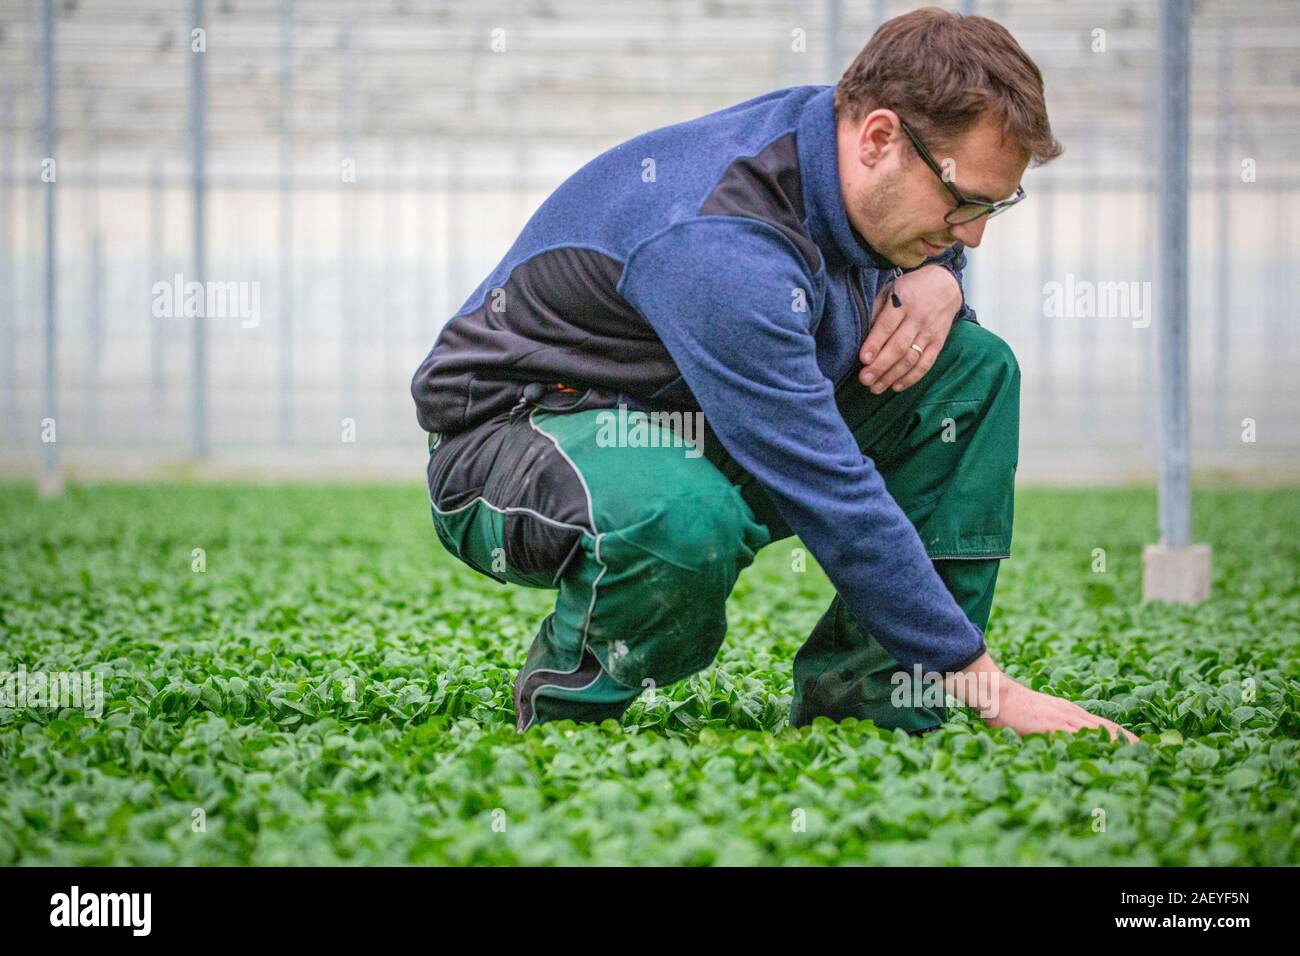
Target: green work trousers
x=644 y=537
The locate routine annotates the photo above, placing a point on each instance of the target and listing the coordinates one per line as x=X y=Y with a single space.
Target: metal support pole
x=157 y=268
x=393 y=306
x=1223 y=235
x=347 y=234
x=835 y=33
x=1175 y=569
x=1146 y=421
x=51 y=479
x=32 y=222
x=425 y=251
x=93 y=303
x=286 y=297
x=9 y=273
x=809 y=69
x=1175 y=510
x=198 y=129
x=453 y=229
x=1046 y=274
x=671 y=66
x=1279 y=335
x=1091 y=273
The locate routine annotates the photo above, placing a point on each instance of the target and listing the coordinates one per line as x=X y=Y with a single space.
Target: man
x=791 y=268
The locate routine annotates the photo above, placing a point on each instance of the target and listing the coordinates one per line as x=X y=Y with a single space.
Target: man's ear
x=877 y=133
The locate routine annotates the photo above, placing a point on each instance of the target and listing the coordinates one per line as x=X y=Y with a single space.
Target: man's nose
x=970 y=233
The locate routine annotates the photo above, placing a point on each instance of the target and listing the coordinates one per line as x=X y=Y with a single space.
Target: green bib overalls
x=645 y=541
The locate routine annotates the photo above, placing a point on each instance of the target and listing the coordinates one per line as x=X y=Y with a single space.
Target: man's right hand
x=1028 y=711
x=1007 y=703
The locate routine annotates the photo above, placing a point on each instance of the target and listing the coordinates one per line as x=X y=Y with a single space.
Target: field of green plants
x=321 y=683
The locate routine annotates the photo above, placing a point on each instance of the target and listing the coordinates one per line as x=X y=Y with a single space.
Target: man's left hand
x=930 y=299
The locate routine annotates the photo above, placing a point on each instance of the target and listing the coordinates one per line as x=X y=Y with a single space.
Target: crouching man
x=789 y=269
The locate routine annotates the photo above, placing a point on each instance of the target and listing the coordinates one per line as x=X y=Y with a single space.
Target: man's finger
x=924 y=363
x=908 y=358
x=890 y=353
x=890 y=369
x=1128 y=734
x=885 y=319
x=905 y=364
x=1112 y=728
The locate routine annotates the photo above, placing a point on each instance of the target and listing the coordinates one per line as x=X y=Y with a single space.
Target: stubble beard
x=879 y=206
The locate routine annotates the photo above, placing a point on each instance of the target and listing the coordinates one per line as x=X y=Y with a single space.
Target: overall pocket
x=506 y=502
x=472 y=536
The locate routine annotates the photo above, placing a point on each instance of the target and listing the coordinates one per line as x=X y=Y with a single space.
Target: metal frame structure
x=313 y=82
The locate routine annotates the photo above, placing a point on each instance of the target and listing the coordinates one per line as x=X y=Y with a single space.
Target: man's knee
x=696 y=526
x=699 y=532
x=661 y=602
x=687 y=548
x=972 y=347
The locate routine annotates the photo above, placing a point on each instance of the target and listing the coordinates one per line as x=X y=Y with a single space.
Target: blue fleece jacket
x=711 y=265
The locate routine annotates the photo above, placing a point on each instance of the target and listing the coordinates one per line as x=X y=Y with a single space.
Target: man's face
x=896 y=202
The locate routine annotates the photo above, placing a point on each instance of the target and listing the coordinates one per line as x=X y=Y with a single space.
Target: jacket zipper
x=860 y=302
x=855 y=287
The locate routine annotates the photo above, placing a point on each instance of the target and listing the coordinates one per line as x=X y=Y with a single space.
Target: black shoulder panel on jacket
x=767 y=187
x=558 y=318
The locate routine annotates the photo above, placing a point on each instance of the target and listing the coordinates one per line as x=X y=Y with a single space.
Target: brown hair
x=942 y=72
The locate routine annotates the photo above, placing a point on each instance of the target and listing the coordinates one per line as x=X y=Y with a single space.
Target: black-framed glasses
x=966 y=210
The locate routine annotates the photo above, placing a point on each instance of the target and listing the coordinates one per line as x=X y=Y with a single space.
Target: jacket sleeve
x=723 y=295
x=954 y=260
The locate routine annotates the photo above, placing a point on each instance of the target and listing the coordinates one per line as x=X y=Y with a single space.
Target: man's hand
x=1029 y=712
x=1002 y=702
x=930 y=299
